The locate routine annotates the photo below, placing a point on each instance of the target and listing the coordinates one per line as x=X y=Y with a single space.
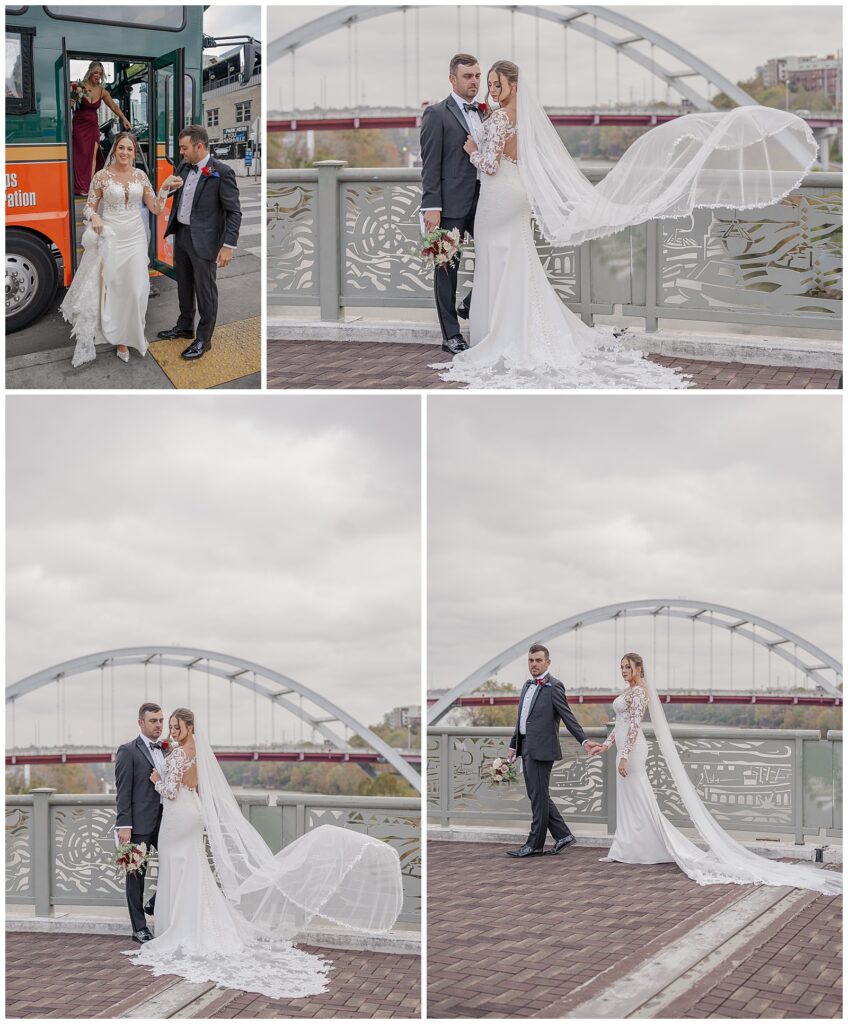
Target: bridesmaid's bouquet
x=441 y=248
x=78 y=91
x=501 y=772
x=131 y=857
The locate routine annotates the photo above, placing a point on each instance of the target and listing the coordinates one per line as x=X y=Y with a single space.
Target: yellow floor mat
x=236 y=351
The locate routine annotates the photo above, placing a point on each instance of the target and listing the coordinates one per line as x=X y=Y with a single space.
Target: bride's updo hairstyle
x=636 y=661
x=185 y=716
x=503 y=69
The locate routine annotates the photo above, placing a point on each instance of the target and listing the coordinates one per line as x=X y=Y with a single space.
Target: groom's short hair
x=142 y=711
x=461 y=58
x=540 y=649
x=197 y=133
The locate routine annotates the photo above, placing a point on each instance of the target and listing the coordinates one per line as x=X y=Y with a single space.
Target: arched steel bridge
x=575 y=18
x=822 y=671
x=273 y=686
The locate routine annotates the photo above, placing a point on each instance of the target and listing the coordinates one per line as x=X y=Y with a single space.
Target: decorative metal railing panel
x=59 y=848
x=358 y=231
x=19 y=887
x=783 y=781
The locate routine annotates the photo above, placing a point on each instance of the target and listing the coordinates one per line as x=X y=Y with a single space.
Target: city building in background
x=814 y=74
x=407 y=717
x=232 y=107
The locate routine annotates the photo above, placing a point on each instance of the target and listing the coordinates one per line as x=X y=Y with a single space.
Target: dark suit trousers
x=444 y=281
x=537 y=779
x=135 y=882
x=196 y=284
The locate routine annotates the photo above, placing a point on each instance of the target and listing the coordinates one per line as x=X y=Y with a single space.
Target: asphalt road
x=40 y=355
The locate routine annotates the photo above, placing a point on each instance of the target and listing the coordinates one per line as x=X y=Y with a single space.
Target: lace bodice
x=496 y=130
x=115 y=195
x=631 y=706
x=177 y=763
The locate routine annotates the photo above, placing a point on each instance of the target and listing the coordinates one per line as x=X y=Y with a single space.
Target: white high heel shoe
x=125 y=355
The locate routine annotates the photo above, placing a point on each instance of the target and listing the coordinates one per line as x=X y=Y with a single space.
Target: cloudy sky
x=243 y=20
x=285 y=532
x=542 y=507
x=731 y=39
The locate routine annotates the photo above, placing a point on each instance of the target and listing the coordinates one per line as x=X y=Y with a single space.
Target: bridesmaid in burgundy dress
x=85 y=136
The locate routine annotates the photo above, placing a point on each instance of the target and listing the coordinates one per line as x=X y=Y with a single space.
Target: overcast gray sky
x=283 y=531
x=542 y=507
x=732 y=39
x=241 y=20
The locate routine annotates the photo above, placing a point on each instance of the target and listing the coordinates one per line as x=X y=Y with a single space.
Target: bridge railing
x=341 y=238
x=59 y=846
x=761 y=781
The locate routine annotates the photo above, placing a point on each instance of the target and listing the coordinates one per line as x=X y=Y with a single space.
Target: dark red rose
x=207 y=171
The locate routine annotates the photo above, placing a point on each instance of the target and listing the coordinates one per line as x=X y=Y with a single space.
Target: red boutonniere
x=483 y=108
x=166 y=746
x=206 y=172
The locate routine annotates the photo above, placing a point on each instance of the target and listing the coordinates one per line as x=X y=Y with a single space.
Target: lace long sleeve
x=495 y=132
x=95 y=194
x=609 y=741
x=636 y=701
x=176 y=765
x=155 y=203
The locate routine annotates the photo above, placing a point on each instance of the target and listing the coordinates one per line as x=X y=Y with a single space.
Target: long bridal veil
x=745 y=158
x=726 y=860
x=329 y=876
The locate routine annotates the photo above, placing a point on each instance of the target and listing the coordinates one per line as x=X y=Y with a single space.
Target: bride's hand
x=155 y=777
x=96 y=223
x=622 y=767
x=470 y=146
x=173 y=181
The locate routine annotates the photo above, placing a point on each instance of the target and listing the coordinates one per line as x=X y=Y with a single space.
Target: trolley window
x=169 y=19
x=20 y=88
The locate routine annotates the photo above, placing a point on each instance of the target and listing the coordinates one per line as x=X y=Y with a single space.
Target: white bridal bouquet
x=500 y=772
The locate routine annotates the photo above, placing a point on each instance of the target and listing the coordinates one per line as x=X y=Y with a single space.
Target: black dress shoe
x=148 y=909
x=142 y=935
x=454 y=344
x=196 y=349
x=175 y=332
x=525 y=851
x=561 y=844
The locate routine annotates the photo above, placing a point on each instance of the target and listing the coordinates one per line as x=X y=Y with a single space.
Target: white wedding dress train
x=107 y=299
x=204 y=934
x=643 y=835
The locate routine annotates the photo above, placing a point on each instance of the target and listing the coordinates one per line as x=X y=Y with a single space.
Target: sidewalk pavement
x=363 y=364
x=86 y=976
x=554 y=936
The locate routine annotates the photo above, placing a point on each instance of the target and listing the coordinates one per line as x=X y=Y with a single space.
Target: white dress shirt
x=527 y=703
x=187 y=194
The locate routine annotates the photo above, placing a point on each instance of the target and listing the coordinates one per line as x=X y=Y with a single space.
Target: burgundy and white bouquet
x=500 y=772
x=441 y=248
x=131 y=857
x=78 y=91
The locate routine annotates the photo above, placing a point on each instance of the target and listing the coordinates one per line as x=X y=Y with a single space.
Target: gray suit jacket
x=448 y=178
x=138 y=803
x=541 y=741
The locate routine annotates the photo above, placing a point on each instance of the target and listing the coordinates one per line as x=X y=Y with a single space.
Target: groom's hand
x=511 y=755
x=432 y=219
x=224 y=256
x=124 y=835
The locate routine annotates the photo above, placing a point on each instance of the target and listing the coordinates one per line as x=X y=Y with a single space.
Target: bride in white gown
x=643 y=835
x=234 y=925
x=107 y=299
x=522 y=334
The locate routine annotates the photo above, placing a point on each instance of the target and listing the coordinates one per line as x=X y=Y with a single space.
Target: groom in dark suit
x=541 y=707
x=450 y=183
x=204 y=220
x=139 y=806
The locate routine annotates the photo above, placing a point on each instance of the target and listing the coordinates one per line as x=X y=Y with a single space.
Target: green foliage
x=360 y=148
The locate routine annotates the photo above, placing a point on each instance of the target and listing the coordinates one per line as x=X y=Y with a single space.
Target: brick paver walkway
x=330 y=364
x=795 y=973
x=511 y=938
x=83 y=976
